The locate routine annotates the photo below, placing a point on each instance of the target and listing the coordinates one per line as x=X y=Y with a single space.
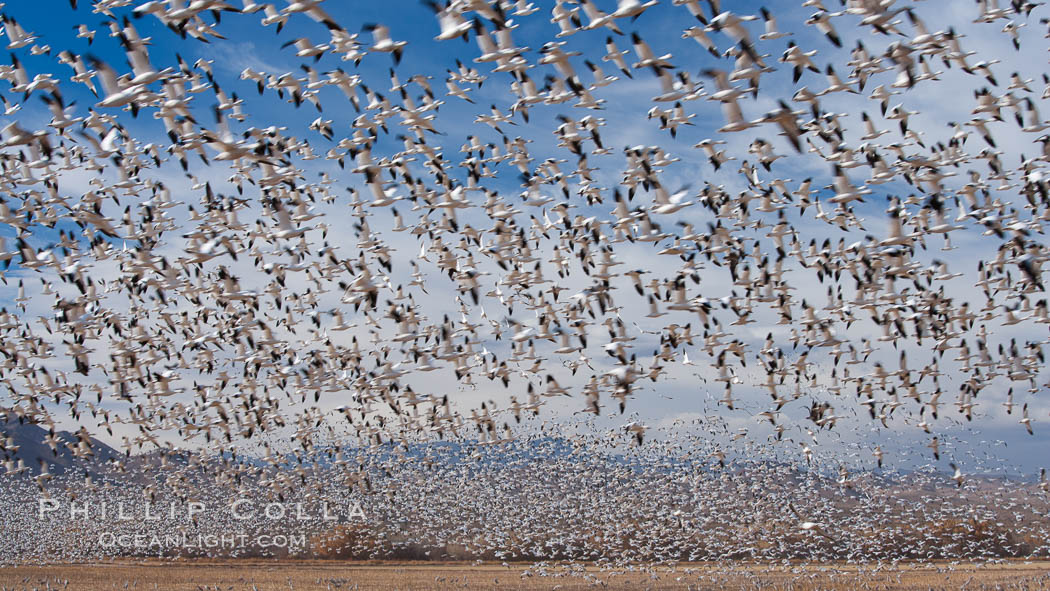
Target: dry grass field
x=293 y=575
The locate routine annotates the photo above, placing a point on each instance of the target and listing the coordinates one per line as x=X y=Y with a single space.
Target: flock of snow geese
x=776 y=224
x=542 y=497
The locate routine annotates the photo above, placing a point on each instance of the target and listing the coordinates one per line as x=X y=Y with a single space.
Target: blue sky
x=686 y=392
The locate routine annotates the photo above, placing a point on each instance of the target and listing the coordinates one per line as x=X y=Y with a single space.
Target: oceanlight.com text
x=152 y=541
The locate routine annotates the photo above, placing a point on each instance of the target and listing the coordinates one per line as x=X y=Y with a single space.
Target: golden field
x=263 y=575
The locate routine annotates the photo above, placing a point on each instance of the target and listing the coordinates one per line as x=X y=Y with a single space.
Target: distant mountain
x=27 y=441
